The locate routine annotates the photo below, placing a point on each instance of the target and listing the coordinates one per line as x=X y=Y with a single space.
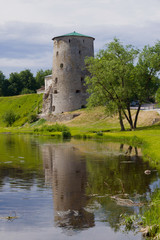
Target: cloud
x=27 y=26
x=93 y=12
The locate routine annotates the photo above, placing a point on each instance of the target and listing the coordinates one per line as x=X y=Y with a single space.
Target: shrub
x=66 y=134
x=99 y=133
x=32 y=118
x=52 y=128
x=9 y=118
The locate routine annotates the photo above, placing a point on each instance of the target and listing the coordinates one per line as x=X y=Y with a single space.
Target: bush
x=66 y=134
x=52 y=128
x=99 y=133
x=32 y=118
x=9 y=118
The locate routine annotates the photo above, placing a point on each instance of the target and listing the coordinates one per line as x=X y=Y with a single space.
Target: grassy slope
x=96 y=120
x=22 y=105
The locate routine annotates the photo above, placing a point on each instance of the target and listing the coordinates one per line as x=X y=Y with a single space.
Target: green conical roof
x=73 y=34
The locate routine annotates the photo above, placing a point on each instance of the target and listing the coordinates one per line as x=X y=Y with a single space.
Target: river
x=51 y=189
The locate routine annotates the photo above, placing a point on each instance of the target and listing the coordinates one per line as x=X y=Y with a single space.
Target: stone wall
x=68 y=90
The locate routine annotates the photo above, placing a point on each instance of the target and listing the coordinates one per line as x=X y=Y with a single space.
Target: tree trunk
x=136 y=117
x=130 y=117
x=121 y=120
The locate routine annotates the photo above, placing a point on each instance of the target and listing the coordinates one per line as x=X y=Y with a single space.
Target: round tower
x=68 y=90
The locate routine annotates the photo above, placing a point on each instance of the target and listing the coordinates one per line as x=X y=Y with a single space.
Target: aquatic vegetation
x=151 y=216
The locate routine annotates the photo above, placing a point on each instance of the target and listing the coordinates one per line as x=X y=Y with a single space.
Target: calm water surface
x=69 y=190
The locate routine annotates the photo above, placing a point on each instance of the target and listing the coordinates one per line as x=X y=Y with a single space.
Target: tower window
x=79 y=51
x=55 y=92
x=78 y=91
x=83 y=106
x=69 y=40
x=83 y=40
x=61 y=65
x=82 y=79
x=56 y=80
x=57 y=53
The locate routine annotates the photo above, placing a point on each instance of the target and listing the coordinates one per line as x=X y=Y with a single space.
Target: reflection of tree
x=117 y=175
x=20 y=161
x=67 y=169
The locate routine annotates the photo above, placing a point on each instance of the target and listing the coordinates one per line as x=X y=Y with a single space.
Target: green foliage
x=23 y=106
x=39 y=122
x=66 y=134
x=41 y=75
x=130 y=222
x=26 y=91
x=52 y=128
x=9 y=118
x=99 y=133
x=21 y=83
x=32 y=118
x=158 y=96
x=120 y=74
x=151 y=216
x=2 y=79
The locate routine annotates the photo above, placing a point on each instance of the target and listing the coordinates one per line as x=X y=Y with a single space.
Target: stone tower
x=68 y=92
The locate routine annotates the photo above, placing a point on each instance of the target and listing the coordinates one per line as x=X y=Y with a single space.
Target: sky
x=28 y=26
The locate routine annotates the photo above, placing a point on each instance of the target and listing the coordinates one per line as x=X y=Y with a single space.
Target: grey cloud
x=30 y=42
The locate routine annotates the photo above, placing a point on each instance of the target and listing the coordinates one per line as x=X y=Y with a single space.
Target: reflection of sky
x=34 y=208
x=100 y=233
x=35 y=212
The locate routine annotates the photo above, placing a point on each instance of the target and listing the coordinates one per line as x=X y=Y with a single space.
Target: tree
x=158 y=96
x=28 y=80
x=41 y=75
x=16 y=85
x=119 y=74
x=20 y=81
x=2 y=79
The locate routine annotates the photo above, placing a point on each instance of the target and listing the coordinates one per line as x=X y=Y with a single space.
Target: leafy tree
x=158 y=96
x=26 y=91
x=41 y=75
x=2 y=80
x=120 y=74
x=16 y=85
x=27 y=79
x=20 y=81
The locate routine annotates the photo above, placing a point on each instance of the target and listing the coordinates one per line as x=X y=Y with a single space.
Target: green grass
x=151 y=216
x=22 y=105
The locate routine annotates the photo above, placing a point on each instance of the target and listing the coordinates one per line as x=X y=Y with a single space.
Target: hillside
x=22 y=105
x=90 y=120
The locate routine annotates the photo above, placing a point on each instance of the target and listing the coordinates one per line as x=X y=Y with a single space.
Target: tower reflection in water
x=65 y=168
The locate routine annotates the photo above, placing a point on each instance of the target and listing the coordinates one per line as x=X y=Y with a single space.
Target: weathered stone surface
x=59 y=117
x=68 y=92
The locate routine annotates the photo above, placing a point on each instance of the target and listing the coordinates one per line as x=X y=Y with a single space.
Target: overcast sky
x=27 y=27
